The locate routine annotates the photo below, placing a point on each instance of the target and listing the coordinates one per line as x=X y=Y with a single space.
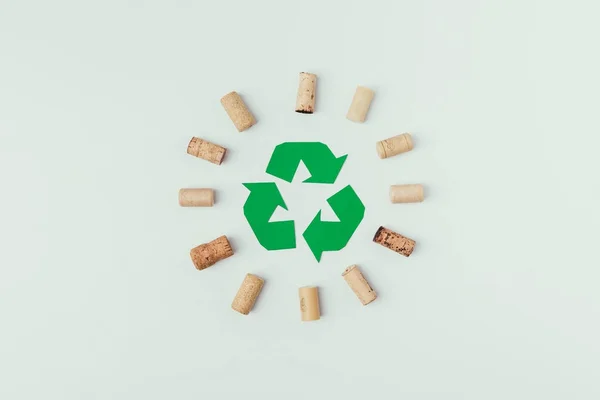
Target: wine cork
x=394 y=241
x=208 y=254
x=360 y=104
x=305 y=100
x=394 y=145
x=247 y=294
x=309 y=303
x=196 y=197
x=406 y=193
x=241 y=117
x=359 y=285
x=206 y=150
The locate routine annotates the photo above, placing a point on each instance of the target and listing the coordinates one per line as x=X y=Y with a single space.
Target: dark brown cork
x=394 y=241
x=208 y=254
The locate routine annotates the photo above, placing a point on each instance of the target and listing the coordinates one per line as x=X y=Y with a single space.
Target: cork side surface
x=360 y=104
x=394 y=241
x=359 y=285
x=305 y=99
x=237 y=111
x=247 y=294
x=309 y=303
x=208 y=254
x=206 y=150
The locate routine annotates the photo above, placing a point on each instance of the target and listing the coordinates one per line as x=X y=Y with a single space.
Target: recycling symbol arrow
x=333 y=236
x=261 y=204
x=265 y=197
x=323 y=166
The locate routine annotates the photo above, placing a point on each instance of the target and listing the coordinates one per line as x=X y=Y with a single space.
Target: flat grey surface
x=98 y=296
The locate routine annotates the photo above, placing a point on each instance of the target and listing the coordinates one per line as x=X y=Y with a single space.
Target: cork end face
x=247 y=125
x=229 y=95
x=197 y=259
x=348 y=270
x=307 y=75
x=409 y=141
x=377 y=234
x=243 y=312
x=192 y=148
x=224 y=246
x=380 y=150
x=304 y=111
x=370 y=300
x=365 y=91
x=420 y=193
x=256 y=279
x=308 y=319
x=220 y=159
x=354 y=119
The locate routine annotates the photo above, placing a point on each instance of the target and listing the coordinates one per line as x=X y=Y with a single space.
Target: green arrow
x=332 y=236
x=262 y=202
x=322 y=164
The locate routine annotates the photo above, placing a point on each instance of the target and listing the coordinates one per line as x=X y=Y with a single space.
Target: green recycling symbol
x=264 y=198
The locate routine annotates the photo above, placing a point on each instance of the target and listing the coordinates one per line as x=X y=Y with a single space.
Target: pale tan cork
x=247 y=294
x=359 y=285
x=406 y=193
x=208 y=254
x=200 y=197
x=394 y=145
x=305 y=100
x=206 y=150
x=309 y=303
x=394 y=241
x=360 y=104
x=241 y=117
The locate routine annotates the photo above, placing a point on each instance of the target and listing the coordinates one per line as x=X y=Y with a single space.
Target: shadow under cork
x=229 y=156
x=214 y=202
x=322 y=311
x=426 y=193
x=415 y=139
x=232 y=242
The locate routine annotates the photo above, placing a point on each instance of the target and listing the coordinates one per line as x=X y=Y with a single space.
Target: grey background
x=98 y=297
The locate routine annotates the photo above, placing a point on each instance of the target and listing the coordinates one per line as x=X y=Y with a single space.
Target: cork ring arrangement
x=208 y=254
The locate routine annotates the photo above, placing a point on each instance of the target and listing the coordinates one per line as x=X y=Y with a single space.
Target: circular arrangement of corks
x=207 y=254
